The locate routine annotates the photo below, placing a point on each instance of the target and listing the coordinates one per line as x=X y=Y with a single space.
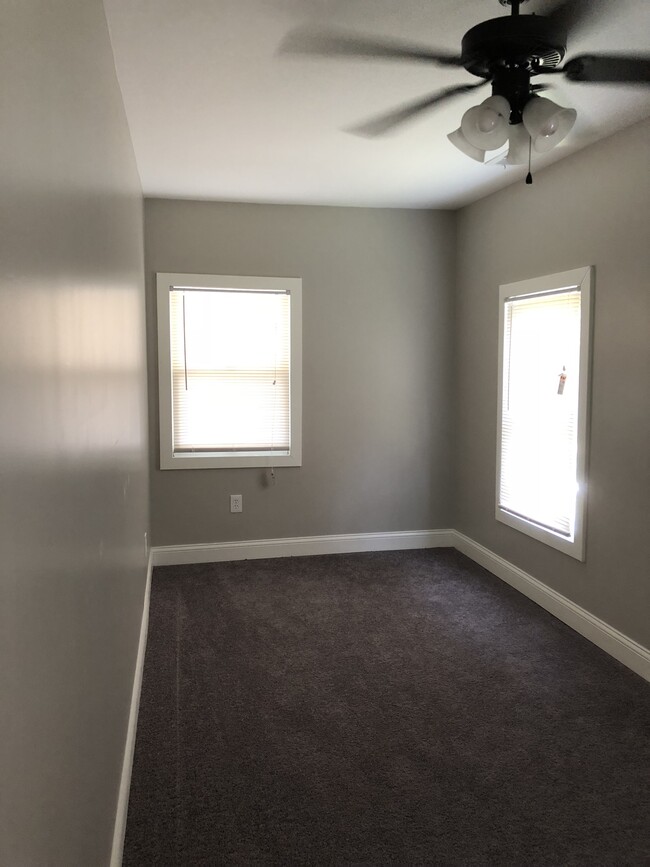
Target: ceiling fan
x=507 y=52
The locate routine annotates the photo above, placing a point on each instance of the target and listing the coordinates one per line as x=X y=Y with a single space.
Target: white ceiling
x=216 y=113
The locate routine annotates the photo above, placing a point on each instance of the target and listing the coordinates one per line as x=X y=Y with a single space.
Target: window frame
x=581 y=279
x=165 y=282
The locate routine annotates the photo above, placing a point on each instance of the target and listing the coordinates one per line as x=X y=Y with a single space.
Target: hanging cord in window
x=184 y=343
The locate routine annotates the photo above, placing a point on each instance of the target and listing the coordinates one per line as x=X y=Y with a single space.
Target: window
x=229 y=366
x=544 y=344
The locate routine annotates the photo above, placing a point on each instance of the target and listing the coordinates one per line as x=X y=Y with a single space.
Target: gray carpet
x=398 y=708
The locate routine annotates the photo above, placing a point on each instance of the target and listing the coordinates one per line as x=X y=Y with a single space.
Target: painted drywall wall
x=376 y=369
x=73 y=468
x=590 y=209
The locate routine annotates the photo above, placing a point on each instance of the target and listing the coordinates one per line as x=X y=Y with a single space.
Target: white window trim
x=165 y=282
x=582 y=279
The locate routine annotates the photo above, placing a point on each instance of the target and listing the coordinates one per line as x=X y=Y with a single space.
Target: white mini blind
x=539 y=415
x=230 y=365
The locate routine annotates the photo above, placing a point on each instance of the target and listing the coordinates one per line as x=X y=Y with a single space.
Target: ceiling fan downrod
x=515 y=4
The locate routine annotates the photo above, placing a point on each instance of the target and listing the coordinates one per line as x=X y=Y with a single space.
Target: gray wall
x=377 y=351
x=590 y=209
x=73 y=469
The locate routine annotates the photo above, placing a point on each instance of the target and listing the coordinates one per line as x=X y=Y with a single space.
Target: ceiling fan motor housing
x=507 y=51
x=528 y=41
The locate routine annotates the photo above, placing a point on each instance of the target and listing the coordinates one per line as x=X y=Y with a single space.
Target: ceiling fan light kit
x=508 y=53
x=458 y=140
x=486 y=125
x=547 y=123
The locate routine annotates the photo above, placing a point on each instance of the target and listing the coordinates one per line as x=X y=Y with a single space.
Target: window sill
x=231 y=461
x=573 y=547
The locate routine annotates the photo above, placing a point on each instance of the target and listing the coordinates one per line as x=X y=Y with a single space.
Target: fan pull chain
x=529 y=176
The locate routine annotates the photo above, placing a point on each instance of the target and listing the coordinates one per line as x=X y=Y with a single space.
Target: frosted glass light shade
x=547 y=122
x=486 y=125
x=458 y=140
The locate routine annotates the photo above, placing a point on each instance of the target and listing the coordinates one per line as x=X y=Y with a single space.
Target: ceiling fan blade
x=608 y=69
x=385 y=122
x=341 y=44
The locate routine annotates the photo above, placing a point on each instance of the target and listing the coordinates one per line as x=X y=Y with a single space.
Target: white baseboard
x=129 y=747
x=218 y=552
x=613 y=642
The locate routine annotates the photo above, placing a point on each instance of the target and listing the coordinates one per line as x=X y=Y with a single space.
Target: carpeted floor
x=385 y=708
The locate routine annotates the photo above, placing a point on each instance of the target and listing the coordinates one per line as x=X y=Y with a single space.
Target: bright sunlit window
x=544 y=337
x=229 y=352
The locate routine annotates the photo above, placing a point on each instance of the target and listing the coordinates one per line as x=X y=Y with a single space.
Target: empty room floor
x=404 y=707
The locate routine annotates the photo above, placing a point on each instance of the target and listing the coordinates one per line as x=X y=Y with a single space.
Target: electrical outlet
x=236 y=503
